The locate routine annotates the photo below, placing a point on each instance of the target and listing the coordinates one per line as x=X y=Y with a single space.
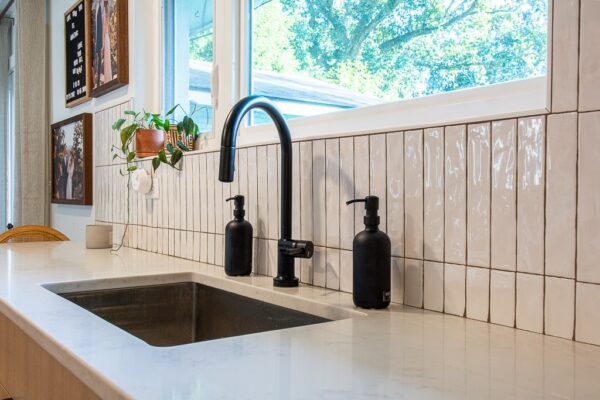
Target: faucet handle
x=296 y=248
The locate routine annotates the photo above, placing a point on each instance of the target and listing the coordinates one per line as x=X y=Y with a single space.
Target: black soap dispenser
x=372 y=260
x=238 y=241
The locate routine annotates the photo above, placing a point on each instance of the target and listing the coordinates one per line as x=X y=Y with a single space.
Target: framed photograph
x=77 y=57
x=109 y=45
x=72 y=166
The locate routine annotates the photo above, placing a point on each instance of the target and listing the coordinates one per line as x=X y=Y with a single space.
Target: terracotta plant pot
x=148 y=142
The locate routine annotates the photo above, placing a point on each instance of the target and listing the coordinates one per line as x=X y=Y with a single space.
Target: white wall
x=145 y=45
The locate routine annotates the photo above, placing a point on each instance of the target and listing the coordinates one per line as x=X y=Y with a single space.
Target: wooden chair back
x=32 y=233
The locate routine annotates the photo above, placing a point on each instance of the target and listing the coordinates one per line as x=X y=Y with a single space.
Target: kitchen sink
x=181 y=313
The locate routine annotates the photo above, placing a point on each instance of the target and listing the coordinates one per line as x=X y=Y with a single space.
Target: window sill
x=505 y=100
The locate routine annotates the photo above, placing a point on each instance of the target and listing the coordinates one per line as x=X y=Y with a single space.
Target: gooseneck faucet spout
x=288 y=248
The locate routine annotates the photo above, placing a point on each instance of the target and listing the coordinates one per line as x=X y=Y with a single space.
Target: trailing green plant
x=170 y=155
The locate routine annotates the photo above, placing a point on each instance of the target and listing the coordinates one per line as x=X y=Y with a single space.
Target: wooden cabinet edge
x=27 y=371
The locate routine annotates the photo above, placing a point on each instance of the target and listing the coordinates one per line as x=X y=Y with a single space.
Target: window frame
x=232 y=71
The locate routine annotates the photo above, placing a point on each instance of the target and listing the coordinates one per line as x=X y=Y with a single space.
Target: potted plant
x=148 y=131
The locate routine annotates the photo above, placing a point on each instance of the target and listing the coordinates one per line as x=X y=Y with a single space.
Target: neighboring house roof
x=285 y=87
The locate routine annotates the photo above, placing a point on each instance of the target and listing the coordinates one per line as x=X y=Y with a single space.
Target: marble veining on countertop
x=400 y=353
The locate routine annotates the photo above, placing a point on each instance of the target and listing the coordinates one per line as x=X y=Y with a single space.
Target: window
x=188 y=58
x=312 y=57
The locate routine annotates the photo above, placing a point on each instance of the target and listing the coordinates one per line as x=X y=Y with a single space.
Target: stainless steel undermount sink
x=173 y=314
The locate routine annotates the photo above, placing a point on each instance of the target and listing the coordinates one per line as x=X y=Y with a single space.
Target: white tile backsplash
x=494 y=220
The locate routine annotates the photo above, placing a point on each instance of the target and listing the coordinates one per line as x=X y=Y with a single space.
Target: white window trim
x=503 y=100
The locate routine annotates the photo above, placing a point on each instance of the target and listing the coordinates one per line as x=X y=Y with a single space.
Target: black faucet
x=288 y=249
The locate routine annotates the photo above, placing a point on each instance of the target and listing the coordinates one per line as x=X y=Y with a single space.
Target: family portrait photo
x=69 y=162
x=108 y=45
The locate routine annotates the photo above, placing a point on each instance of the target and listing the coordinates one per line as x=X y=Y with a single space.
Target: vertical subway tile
x=478 y=293
x=333 y=269
x=361 y=178
x=504 y=194
x=252 y=200
x=176 y=205
x=395 y=191
x=242 y=175
x=413 y=282
x=346 y=274
x=377 y=174
x=588 y=313
x=195 y=246
x=211 y=248
x=433 y=286
x=296 y=210
x=433 y=188
x=273 y=191
x=346 y=192
x=272 y=257
x=318 y=200
x=320 y=266
x=171 y=194
x=454 y=289
x=455 y=227
x=479 y=193
x=203 y=194
x=559 y=307
x=397 y=280
x=530 y=195
x=218 y=250
x=502 y=298
x=588 y=209
x=218 y=196
x=589 y=54
x=332 y=192
x=561 y=194
x=195 y=185
x=565 y=45
x=413 y=198
x=530 y=302
x=203 y=247
x=306 y=217
x=263 y=192
x=191 y=192
x=210 y=192
x=262 y=259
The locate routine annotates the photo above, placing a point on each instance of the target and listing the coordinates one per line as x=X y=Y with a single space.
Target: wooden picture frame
x=77 y=54
x=108 y=26
x=71 y=155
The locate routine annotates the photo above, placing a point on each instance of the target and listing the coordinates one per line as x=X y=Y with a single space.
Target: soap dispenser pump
x=238 y=241
x=371 y=260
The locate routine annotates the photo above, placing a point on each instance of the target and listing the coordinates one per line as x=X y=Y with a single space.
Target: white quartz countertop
x=400 y=353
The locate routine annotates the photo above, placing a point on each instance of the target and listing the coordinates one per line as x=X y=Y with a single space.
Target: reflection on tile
x=346 y=273
x=318 y=185
x=478 y=199
x=559 y=313
x=455 y=227
x=478 y=292
x=320 y=266
x=565 y=45
x=272 y=192
x=433 y=297
x=454 y=289
x=397 y=280
x=377 y=174
x=530 y=302
x=395 y=191
x=502 y=298
x=332 y=192
x=262 y=220
x=561 y=194
x=272 y=258
x=413 y=193
x=530 y=195
x=346 y=192
x=589 y=54
x=361 y=178
x=588 y=212
x=333 y=269
x=504 y=193
x=296 y=210
x=252 y=201
x=413 y=282
x=588 y=313
x=433 y=187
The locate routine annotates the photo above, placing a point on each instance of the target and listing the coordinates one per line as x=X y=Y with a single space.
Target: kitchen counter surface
x=399 y=353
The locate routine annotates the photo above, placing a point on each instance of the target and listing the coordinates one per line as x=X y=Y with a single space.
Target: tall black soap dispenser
x=371 y=260
x=238 y=241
